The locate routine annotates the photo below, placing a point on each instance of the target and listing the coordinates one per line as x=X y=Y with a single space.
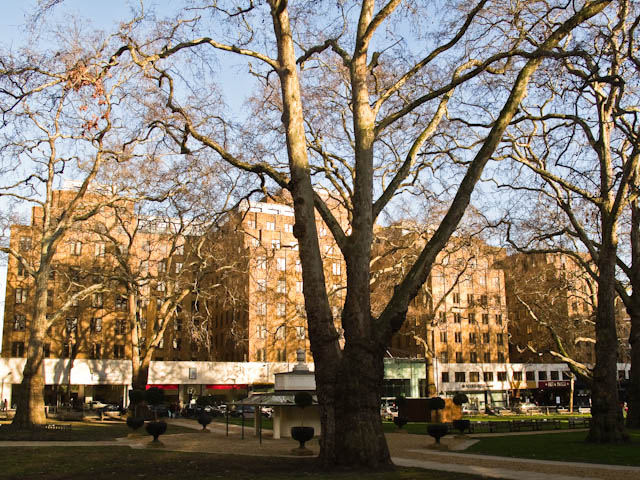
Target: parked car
x=96 y=404
x=525 y=407
x=247 y=410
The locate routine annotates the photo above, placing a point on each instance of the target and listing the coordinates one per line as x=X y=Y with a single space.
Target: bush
x=460 y=398
x=437 y=430
x=134 y=423
x=400 y=421
x=462 y=425
x=436 y=403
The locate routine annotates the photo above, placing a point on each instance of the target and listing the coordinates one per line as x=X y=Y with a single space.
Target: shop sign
x=554 y=384
x=474 y=386
x=235 y=386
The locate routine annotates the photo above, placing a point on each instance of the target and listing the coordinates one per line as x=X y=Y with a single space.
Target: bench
x=520 y=425
x=582 y=422
x=53 y=427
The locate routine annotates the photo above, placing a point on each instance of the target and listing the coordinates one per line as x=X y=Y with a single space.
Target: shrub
x=400 y=421
x=462 y=425
x=303 y=399
x=460 y=398
x=436 y=403
x=134 y=423
x=437 y=430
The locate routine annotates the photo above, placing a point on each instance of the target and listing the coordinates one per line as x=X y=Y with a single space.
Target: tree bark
x=633 y=391
x=607 y=424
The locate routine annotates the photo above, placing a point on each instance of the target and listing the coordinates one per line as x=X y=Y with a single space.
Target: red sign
x=163 y=387
x=222 y=386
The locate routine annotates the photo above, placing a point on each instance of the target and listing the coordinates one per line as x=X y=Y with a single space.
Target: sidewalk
x=406 y=450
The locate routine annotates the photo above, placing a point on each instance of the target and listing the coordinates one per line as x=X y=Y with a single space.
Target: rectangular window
x=483 y=300
x=21 y=270
x=17 y=349
x=275 y=244
x=443 y=337
x=460 y=377
x=261 y=309
x=46 y=350
x=459 y=358
x=288 y=227
x=473 y=357
x=261 y=285
x=21 y=295
x=299 y=287
x=444 y=357
x=251 y=224
x=445 y=377
x=499 y=338
x=19 y=323
x=96 y=325
x=300 y=310
x=97 y=300
x=100 y=249
x=472 y=318
x=473 y=338
x=118 y=351
x=261 y=331
x=97 y=350
x=499 y=318
x=517 y=376
x=488 y=376
x=458 y=337
x=281 y=286
x=555 y=375
x=178 y=266
x=531 y=376
x=121 y=326
x=177 y=324
x=470 y=299
x=271 y=225
x=474 y=377
x=76 y=248
x=300 y=333
x=177 y=343
x=261 y=263
x=71 y=324
x=280 y=332
x=457 y=317
x=501 y=358
x=281 y=309
x=336 y=268
x=442 y=316
x=281 y=264
x=121 y=302
x=486 y=337
x=162 y=267
x=485 y=319
x=24 y=244
x=161 y=287
x=456 y=298
x=261 y=355
x=502 y=376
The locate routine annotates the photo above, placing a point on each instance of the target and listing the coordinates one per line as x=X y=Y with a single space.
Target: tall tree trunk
x=607 y=424
x=30 y=404
x=633 y=391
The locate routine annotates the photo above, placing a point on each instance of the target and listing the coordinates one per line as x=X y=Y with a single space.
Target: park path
x=406 y=450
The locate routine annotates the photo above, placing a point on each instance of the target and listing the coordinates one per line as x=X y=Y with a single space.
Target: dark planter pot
x=302 y=434
x=204 y=420
x=134 y=423
x=155 y=429
x=437 y=431
x=462 y=425
x=400 y=421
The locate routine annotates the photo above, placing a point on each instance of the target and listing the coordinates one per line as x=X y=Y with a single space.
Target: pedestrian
x=5 y=405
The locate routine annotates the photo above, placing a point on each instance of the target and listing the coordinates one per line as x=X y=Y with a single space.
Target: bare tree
x=408 y=95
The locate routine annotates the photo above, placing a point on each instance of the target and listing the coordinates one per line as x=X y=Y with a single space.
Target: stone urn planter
x=302 y=434
x=134 y=423
x=155 y=429
x=462 y=426
x=437 y=430
x=204 y=420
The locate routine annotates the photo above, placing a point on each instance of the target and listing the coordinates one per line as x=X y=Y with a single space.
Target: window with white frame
x=162 y=267
x=161 y=287
x=281 y=264
x=261 y=331
x=300 y=311
x=299 y=285
x=76 y=248
x=261 y=355
x=24 y=244
x=96 y=325
x=179 y=267
x=121 y=302
x=100 y=249
x=71 y=324
x=280 y=332
x=275 y=244
x=180 y=249
x=336 y=268
x=288 y=227
x=281 y=309
x=261 y=309
x=19 y=323
x=271 y=225
x=21 y=295
x=281 y=286
x=261 y=263
x=298 y=265
x=300 y=333
x=97 y=300
x=261 y=285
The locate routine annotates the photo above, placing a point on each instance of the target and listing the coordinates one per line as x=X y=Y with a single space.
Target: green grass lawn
x=267 y=423
x=81 y=463
x=566 y=446
x=81 y=431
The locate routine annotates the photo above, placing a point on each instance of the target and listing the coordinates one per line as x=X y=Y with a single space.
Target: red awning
x=223 y=386
x=163 y=387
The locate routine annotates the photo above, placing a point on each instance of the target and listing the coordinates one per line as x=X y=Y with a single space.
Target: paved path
x=407 y=450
